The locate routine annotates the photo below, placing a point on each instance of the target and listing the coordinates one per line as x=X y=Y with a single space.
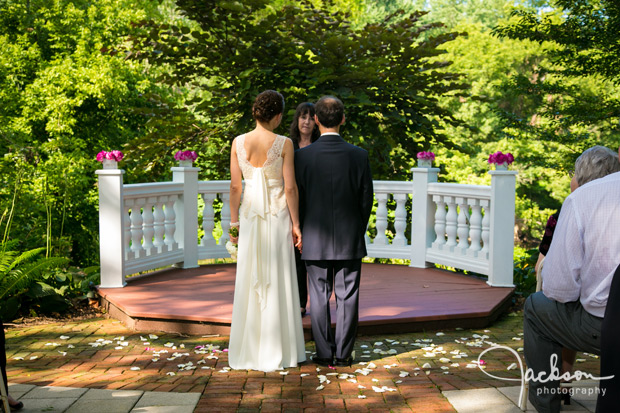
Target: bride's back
x=257 y=145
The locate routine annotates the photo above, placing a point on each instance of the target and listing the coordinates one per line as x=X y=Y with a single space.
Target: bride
x=266 y=332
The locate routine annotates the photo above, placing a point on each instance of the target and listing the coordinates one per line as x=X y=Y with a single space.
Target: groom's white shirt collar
x=330 y=133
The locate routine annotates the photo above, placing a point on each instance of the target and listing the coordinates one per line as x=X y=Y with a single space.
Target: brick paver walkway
x=395 y=373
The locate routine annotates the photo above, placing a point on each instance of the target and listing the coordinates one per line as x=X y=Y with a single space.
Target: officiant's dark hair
x=267 y=105
x=330 y=111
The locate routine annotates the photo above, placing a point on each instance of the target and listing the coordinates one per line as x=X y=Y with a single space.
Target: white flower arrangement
x=232 y=249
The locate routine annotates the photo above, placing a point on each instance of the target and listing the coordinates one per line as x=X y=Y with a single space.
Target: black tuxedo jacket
x=336 y=197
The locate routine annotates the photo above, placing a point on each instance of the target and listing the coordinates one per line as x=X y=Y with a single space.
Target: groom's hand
x=297 y=238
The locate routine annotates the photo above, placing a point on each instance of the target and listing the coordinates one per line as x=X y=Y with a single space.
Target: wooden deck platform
x=393 y=299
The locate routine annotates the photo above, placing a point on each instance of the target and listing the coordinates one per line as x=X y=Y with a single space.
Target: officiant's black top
x=336 y=197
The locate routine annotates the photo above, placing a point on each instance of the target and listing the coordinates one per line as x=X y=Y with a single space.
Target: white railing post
x=422 y=216
x=501 y=240
x=111 y=225
x=186 y=210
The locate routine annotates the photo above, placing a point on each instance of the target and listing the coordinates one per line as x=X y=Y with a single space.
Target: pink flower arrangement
x=185 y=156
x=112 y=155
x=499 y=158
x=427 y=156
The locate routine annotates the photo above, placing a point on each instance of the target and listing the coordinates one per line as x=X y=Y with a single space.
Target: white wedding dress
x=266 y=332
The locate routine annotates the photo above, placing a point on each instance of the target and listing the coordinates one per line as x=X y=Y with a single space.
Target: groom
x=336 y=197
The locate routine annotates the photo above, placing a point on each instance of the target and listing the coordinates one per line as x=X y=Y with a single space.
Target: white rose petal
x=361 y=396
x=283 y=373
x=512 y=366
x=321 y=387
x=135 y=368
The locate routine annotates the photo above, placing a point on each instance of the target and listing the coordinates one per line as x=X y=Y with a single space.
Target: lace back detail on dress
x=272 y=169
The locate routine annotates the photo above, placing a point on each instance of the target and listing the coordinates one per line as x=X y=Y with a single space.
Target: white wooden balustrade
x=154 y=225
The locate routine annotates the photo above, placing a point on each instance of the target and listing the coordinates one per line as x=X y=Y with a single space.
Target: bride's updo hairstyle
x=267 y=105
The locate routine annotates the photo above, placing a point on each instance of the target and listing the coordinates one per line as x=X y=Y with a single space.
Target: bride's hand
x=233 y=232
x=297 y=238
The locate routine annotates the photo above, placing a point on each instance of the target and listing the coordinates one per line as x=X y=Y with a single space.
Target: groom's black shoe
x=321 y=361
x=344 y=362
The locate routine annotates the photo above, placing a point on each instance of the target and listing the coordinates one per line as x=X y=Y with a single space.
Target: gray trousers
x=343 y=277
x=548 y=326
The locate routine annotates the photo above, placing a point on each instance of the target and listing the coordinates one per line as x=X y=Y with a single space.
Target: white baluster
x=440 y=220
x=475 y=230
x=486 y=224
x=170 y=225
x=400 y=220
x=147 y=216
x=463 y=223
x=127 y=230
x=451 y=218
x=381 y=222
x=225 y=216
x=158 y=223
x=136 y=228
x=208 y=220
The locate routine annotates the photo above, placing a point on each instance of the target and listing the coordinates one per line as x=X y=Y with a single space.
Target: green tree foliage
x=577 y=93
x=63 y=97
x=388 y=74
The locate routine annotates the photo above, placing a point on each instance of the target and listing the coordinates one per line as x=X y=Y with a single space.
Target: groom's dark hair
x=330 y=111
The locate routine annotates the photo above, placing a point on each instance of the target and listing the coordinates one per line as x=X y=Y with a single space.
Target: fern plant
x=22 y=273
